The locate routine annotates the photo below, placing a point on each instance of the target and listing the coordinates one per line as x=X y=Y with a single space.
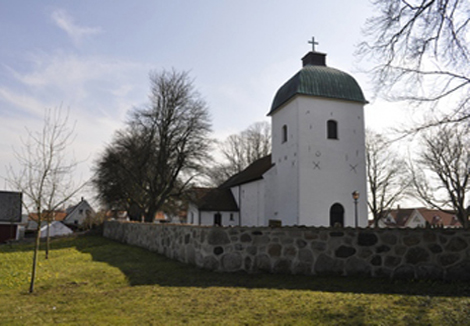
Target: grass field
x=90 y=280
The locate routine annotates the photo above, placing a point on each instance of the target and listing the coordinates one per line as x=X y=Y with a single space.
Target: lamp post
x=355 y=196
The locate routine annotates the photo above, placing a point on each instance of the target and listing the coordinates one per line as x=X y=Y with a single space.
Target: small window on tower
x=284 y=133
x=332 y=129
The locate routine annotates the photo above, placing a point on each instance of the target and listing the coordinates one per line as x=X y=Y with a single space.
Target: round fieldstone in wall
x=326 y=265
x=282 y=266
x=459 y=272
x=364 y=252
x=252 y=250
x=262 y=263
x=344 y=252
x=245 y=238
x=456 y=244
x=289 y=251
x=302 y=268
x=417 y=255
x=301 y=243
x=429 y=272
x=305 y=256
x=274 y=250
x=435 y=248
x=318 y=246
x=411 y=240
x=210 y=263
x=248 y=263
x=367 y=239
x=218 y=237
x=218 y=250
x=448 y=259
x=376 y=260
x=357 y=267
x=388 y=238
x=405 y=272
x=429 y=236
x=382 y=248
x=392 y=261
x=232 y=261
x=190 y=255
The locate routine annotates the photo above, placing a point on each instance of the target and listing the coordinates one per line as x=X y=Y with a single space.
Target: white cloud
x=75 y=32
x=97 y=90
x=77 y=80
x=25 y=102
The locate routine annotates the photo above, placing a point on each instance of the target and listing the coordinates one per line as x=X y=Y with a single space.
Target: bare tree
x=386 y=178
x=161 y=150
x=422 y=55
x=240 y=150
x=441 y=174
x=46 y=171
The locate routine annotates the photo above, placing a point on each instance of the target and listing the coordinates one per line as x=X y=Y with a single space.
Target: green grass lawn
x=90 y=280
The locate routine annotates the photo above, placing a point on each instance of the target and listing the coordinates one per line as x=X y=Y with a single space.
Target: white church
x=317 y=167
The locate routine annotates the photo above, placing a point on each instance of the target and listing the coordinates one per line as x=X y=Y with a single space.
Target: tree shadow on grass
x=142 y=267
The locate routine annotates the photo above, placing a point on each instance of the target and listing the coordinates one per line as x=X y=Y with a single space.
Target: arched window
x=332 y=129
x=284 y=133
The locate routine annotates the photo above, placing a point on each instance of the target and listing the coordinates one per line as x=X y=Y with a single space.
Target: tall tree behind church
x=421 y=54
x=386 y=175
x=160 y=151
x=240 y=150
x=441 y=174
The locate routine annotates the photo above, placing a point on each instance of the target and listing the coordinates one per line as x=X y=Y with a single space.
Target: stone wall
x=394 y=253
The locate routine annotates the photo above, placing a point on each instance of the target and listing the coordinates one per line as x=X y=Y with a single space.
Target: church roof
x=214 y=199
x=221 y=198
x=253 y=172
x=316 y=79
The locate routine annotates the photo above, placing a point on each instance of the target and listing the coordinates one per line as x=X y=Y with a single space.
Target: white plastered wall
x=251 y=202
x=331 y=169
x=282 y=188
x=312 y=172
x=227 y=218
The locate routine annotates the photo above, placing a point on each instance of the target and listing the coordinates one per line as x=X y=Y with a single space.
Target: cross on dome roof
x=313 y=43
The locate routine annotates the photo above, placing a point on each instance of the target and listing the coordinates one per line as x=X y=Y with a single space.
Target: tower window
x=332 y=129
x=284 y=133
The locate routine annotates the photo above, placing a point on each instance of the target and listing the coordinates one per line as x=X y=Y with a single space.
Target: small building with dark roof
x=238 y=201
x=10 y=215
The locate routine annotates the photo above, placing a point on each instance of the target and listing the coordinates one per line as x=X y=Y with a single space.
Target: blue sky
x=93 y=58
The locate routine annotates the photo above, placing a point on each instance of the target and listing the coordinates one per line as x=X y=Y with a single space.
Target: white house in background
x=56 y=228
x=418 y=218
x=317 y=160
x=76 y=215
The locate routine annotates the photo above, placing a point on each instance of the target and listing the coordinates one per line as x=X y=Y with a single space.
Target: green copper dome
x=321 y=81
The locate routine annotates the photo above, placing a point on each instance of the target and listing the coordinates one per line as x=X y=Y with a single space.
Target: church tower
x=318 y=149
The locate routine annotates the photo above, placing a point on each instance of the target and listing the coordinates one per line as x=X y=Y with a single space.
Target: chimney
x=314 y=59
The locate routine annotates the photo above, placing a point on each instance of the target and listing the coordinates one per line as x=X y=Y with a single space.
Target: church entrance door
x=337 y=215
